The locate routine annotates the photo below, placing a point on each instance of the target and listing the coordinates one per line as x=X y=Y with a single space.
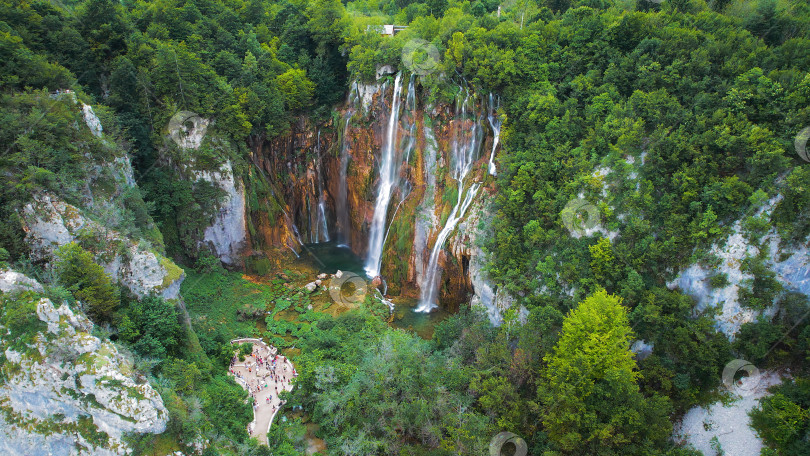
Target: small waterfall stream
x=465 y=145
x=495 y=123
x=342 y=203
x=322 y=231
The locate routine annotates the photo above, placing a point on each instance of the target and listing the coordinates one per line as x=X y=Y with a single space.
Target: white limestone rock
x=366 y=94
x=384 y=70
x=728 y=422
x=51 y=223
x=641 y=349
x=125 y=173
x=694 y=281
x=68 y=374
x=11 y=281
x=188 y=129
x=792 y=272
x=484 y=291
x=227 y=235
x=92 y=120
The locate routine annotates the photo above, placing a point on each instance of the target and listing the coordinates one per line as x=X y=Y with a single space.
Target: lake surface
x=328 y=257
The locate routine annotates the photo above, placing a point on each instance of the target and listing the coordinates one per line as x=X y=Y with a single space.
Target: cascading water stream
x=427 y=301
x=495 y=123
x=312 y=207
x=342 y=203
x=322 y=233
x=409 y=142
x=388 y=179
x=464 y=151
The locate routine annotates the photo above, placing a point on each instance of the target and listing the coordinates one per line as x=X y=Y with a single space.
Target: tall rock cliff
x=329 y=177
x=64 y=391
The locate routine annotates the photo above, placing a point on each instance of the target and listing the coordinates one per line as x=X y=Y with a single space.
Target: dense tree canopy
x=673 y=119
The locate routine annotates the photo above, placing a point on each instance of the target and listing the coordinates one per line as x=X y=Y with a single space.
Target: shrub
x=78 y=271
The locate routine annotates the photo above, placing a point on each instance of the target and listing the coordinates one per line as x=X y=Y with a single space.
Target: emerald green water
x=423 y=324
x=328 y=257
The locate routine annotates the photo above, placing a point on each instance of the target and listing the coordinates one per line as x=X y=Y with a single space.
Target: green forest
x=710 y=95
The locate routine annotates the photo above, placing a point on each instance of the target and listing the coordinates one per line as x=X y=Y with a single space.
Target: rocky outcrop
x=724 y=427
x=50 y=223
x=12 y=281
x=66 y=391
x=483 y=289
x=227 y=235
x=791 y=265
x=109 y=180
x=92 y=121
x=187 y=129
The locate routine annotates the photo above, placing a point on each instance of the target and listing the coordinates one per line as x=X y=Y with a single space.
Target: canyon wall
x=328 y=176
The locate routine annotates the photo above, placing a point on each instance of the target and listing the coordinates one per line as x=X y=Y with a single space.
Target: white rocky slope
x=791 y=265
x=67 y=392
x=50 y=223
x=228 y=232
x=106 y=179
x=725 y=427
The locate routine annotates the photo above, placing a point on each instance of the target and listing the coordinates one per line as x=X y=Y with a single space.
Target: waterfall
x=342 y=203
x=322 y=232
x=426 y=212
x=495 y=123
x=297 y=234
x=290 y=223
x=385 y=189
x=464 y=150
x=408 y=144
x=311 y=205
x=343 y=223
x=410 y=110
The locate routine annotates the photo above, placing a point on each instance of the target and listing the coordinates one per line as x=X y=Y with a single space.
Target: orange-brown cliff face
x=291 y=164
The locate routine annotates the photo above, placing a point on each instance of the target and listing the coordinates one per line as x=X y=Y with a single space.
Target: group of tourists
x=263 y=373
